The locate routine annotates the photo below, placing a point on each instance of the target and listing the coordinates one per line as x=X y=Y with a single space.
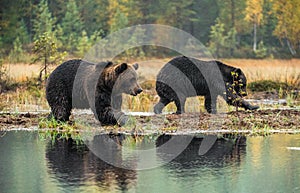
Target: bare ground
x=256 y=122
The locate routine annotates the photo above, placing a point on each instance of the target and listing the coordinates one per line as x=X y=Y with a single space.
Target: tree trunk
x=254 y=36
x=292 y=50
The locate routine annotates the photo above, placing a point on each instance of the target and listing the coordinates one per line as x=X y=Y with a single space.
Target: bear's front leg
x=105 y=113
x=109 y=116
x=116 y=102
x=121 y=118
x=236 y=100
x=248 y=106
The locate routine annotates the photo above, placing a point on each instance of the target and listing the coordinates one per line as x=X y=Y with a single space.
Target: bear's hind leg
x=211 y=104
x=61 y=113
x=61 y=109
x=160 y=105
x=180 y=103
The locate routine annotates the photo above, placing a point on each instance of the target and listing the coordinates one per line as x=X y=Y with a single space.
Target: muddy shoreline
x=259 y=122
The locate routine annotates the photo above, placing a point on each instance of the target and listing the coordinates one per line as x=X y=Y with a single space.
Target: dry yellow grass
x=268 y=69
x=21 y=72
x=277 y=70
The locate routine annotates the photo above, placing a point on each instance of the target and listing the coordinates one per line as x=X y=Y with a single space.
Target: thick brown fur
x=80 y=84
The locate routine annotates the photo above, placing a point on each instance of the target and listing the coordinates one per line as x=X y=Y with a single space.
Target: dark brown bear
x=80 y=84
x=184 y=77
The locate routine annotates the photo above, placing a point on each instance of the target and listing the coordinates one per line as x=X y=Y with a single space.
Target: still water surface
x=256 y=164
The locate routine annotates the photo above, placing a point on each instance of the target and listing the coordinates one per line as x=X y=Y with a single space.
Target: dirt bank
x=257 y=122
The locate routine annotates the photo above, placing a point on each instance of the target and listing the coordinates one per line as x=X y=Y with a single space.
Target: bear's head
x=123 y=79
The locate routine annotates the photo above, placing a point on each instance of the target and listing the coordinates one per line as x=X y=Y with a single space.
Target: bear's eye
x=132 y=80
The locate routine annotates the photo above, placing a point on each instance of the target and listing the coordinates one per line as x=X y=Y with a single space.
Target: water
x=253 y=164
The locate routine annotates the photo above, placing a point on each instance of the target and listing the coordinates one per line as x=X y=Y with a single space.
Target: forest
x=228 y=28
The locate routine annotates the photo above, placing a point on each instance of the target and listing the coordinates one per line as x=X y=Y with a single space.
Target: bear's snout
x=136 y=91
x=139 y=90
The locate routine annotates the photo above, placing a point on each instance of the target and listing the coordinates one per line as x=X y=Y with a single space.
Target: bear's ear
x=109 y=64
x=121 y=68
x=135 y=66
x=238 y=71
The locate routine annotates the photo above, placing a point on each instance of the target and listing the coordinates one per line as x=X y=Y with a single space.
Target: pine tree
x=17 y=53
x=127 y=10
x=222 y=43
x=45 y=50
x=43 y=22
x=83 y=44
x=119 y=21
x=95 y=15
x=231 y=41
x=217 y=38
x=176 y=13
x=22 y=32
x=71 y=26
x=204 y=16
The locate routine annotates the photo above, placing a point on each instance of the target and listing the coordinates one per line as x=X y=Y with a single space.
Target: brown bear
x=81 y=84
x=184 y=77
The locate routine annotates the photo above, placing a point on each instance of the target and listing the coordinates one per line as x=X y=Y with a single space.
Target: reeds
x=30 y=99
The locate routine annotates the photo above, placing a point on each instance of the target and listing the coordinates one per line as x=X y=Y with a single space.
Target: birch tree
x=288 y=23
x=254 y=14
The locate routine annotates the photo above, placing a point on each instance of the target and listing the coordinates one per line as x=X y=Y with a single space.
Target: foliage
x=46 y=51
x=240 y=25
x=43 y=22
x=222 y=44
x=217 y=38
x=254 y=10
x=288 y=22
x=118 y=21
x=261 y=51
x=267 y=85
x=16 y=54
x=254 y=14
x=3 y=78
x=177 y=13
x=83 y=44
x=71 y=27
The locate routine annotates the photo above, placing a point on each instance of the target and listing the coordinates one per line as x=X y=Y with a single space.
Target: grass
x=281 y=75
x=59 y=130
x=28 y=97
x=287 y=71
x=25 y=96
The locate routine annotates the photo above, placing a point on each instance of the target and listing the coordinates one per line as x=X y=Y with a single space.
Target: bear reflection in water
x=76 y=164
x=227 y=150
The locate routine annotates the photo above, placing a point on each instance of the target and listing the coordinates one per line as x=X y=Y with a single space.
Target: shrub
x=267 y=85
